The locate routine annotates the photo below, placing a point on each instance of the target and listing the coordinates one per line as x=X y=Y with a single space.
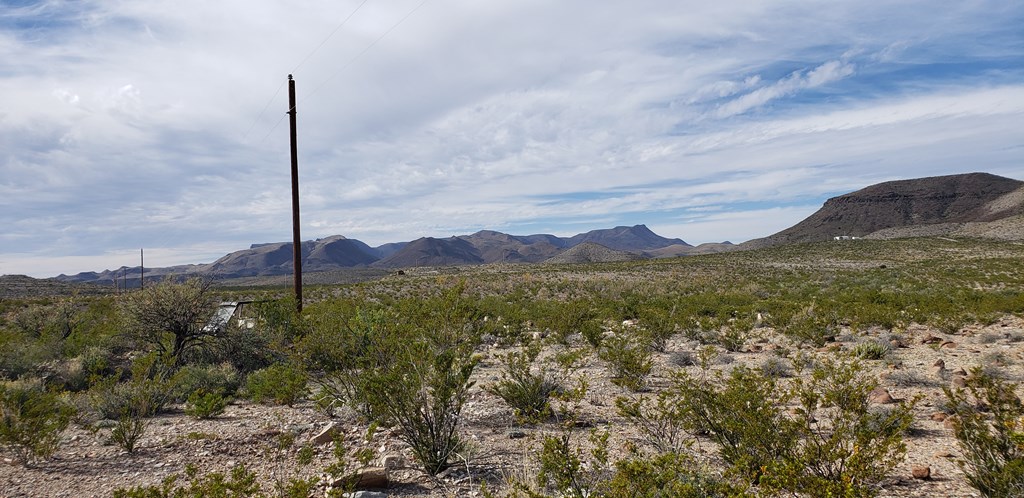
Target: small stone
x=367 y=494
x=948 y=345
x=516 y=434
x=939 y=363
x=959 y=381
x=392 y=461
x=880 y=396
x=937 y=371
x=939 y=416
x=931 y=339
x=943 y=454
x=327 y=434
x=960 y=372
x=921 y=472
x=949 y=422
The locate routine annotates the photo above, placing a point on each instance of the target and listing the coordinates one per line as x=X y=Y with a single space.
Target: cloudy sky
x=128 y=124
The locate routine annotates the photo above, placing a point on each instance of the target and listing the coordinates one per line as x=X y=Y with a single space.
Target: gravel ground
x=88 y=465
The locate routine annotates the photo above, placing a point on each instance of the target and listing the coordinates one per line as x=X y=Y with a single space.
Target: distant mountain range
x=975 y=204
x=486 y=246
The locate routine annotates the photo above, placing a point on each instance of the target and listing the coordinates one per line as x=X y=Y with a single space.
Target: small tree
x=170 y=316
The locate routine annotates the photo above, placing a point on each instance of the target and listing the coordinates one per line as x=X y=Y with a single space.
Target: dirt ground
x=89 y=465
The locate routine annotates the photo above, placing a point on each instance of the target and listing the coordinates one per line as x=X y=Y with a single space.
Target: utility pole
x=296 y=238
x=142 y=269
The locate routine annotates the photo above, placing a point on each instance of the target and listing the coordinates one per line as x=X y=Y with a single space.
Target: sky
x=130 y=124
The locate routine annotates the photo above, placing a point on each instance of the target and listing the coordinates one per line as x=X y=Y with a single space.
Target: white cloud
x=132 y=124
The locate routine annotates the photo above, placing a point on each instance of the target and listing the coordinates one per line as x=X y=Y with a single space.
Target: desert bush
x=281 y=383
x=222 y=379
x=170 y=317
x=872 y=350
x=666 y=474
x=205 y=405
x=775 y=368
x=149 y=389
x=744 y=414
x=129 y=429
x=988 y=423
x=660 y=423
x=813 y=325
x=526 y=391
x=681 y=358
x=629 y=359
x=240 y=483
x=568 y=470
x=422 y=392
x=31 y=420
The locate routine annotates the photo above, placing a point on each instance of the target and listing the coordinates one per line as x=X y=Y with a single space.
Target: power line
x=336 y=29
x=349 y=63
x=301 y=63
x=365 y=50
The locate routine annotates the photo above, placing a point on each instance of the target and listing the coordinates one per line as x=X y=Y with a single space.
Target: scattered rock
x=327 y=435
x=392 y=461
x=516 y=434
x=939 y=363
x=939 y=416
x=959 y=381
x=949 y=422
x=367 y=494
x=921 y=472
x=880 y=396
x=931 y=339
x=943 y=454
x=370 y=478
x=948 y=345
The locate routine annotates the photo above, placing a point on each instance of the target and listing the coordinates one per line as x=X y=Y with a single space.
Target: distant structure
x=845 y=237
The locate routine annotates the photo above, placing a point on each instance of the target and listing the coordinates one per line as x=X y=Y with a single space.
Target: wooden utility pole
x=142 y=269
x=296 y=238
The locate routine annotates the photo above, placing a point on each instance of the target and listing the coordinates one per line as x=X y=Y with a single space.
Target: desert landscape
x=882 y=364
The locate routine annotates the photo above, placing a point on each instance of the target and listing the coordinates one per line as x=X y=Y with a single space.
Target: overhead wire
x=347 y=64
x=299 y=65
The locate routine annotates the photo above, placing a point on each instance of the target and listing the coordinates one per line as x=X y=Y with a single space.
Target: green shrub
x=872 y=350
x=775 y=368
x=661 y=425
x=111 y=398
x=991 y=438
x=745 y=415
x=422 y=393
x=667 y=474
x=629 y=359
x=222 y=379
x=31 y=420
x=567 y=470
x=528 y=393
x=128 y=430
x=203 y=405
x=240 y=484
x=280 y=383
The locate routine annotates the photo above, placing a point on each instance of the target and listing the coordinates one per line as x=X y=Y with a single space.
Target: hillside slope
x=966 y=198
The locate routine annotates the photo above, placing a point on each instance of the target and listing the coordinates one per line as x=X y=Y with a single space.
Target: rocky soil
x=89 y=465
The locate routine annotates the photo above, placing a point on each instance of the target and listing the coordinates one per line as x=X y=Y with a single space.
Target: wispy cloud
x=138 y=124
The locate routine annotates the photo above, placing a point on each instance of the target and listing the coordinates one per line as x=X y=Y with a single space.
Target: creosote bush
x=203 y=405
x=528 y=392
x=407 y=366
x=988 y=423
x=629 y=359
x=833 y=444
x=31 y=420
x=281 y=383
